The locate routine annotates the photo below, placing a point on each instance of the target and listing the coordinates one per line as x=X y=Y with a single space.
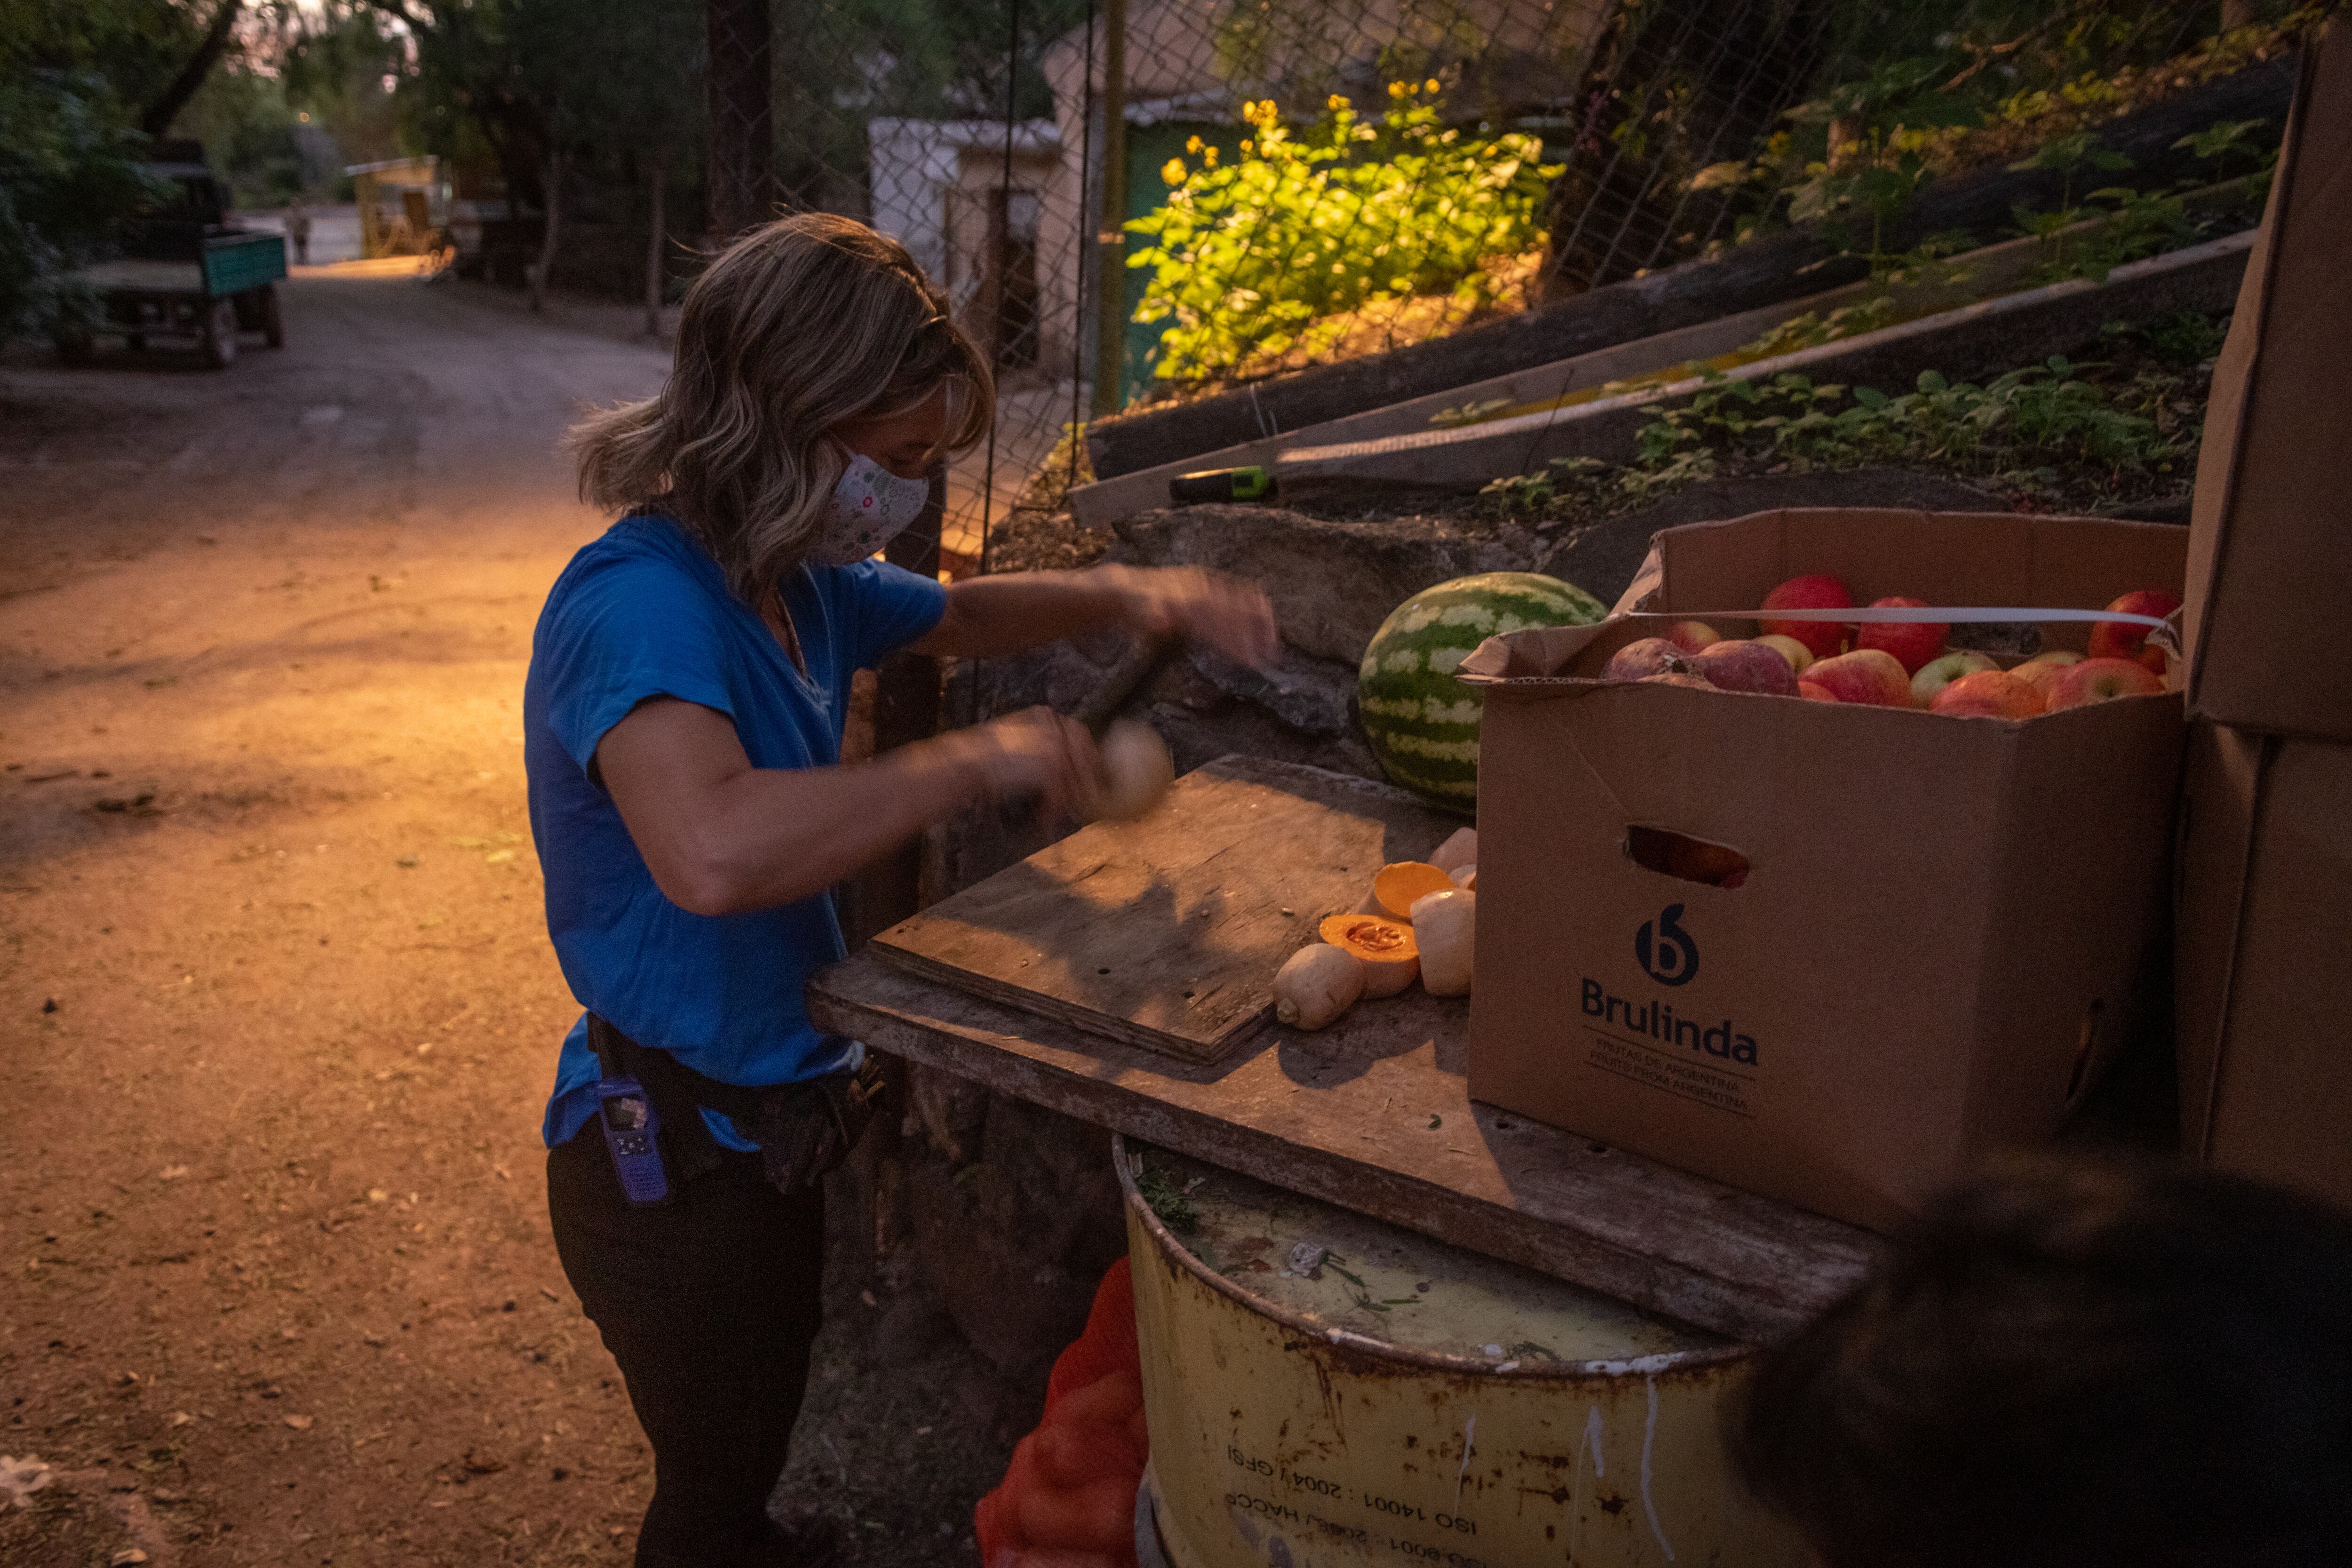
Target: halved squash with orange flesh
x=1385 y=948
x=1395 y=886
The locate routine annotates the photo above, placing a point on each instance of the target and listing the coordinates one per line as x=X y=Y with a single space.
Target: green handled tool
x=1249 y=483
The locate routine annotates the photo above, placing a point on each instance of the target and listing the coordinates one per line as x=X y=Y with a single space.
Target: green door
x=1148 y=150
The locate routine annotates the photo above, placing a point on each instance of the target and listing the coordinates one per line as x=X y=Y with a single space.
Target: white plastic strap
x=1928 y=612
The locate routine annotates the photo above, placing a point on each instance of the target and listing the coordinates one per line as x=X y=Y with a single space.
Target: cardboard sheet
x=2264 y=939
x=2271 y=552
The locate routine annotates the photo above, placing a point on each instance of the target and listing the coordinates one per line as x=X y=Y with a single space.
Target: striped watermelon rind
x=1422 y=722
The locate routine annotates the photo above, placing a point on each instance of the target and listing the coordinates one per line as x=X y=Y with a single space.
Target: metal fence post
x=906 y=708
x=739 y=170
x=1110 y=240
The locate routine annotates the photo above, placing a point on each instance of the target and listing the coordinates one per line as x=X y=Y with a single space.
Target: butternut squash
x=1316 y=985
x=1396 y=886
x=1383 y=947
x=1460 y=850
x=1136 y=773
x=1444 y=926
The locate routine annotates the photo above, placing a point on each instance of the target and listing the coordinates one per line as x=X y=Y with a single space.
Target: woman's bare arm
x=999 y=615
x=722 y=836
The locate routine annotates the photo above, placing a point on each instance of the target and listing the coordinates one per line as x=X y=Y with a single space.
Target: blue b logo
x=1668 y=954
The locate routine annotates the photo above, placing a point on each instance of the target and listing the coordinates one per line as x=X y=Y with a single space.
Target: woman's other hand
x=987 y=617
x=1225 y=613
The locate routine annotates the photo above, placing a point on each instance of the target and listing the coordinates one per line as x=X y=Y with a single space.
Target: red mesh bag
x=1067 y=1500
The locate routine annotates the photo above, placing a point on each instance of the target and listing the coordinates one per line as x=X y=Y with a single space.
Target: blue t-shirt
x=644 y=612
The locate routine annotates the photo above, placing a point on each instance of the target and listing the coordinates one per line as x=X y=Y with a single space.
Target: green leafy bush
x=2060 y=433
x=1861 y=149
x=70 y=170
x=1271 y=254
x=2027 y=418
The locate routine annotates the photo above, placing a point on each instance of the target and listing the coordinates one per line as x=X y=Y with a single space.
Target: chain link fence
x=1297 y=181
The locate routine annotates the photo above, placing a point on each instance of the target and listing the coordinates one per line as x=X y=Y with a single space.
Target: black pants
x=709 y=1303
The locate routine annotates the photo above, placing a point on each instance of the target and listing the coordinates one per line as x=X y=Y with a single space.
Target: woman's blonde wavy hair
x=801 y=324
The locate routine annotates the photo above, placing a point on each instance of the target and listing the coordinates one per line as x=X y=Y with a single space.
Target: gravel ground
x=275 y=1285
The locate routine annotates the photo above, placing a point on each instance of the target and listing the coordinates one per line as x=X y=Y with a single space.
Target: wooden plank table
x=1373 y=1114
x=1166 y=933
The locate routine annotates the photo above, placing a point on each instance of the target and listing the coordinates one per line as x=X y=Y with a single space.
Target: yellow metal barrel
x=1328 y=1391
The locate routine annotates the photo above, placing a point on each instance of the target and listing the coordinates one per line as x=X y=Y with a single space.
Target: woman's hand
x=1036 y=753
x=990 y=616
x=1225 y=613
x=722 y=836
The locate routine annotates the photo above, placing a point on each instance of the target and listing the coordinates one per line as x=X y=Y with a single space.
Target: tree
x=922 y=59
x=132 y=48
x=466 y=81
x=654 y=105
x=159 y=115
x=553 y=54
x=614 y=82
x=70 y=144
x=740 y=167
x=332 y=62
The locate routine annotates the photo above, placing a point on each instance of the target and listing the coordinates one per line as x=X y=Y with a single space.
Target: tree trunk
x=1612 y=217
x=739 y=169
x=656 y=242
x=160 y=114
x=554 y=204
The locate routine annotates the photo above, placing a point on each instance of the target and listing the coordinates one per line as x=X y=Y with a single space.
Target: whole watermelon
x=1422 y=722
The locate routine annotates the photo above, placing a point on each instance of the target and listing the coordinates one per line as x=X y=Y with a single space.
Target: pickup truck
x=183 y=271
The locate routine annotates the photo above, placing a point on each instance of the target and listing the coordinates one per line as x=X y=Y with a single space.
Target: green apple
x=1938 y=673
x=1796 y=653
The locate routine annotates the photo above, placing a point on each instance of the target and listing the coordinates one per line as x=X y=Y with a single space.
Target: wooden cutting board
x=1166 y=933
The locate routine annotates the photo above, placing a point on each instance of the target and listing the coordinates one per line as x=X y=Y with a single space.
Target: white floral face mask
x=871 y=506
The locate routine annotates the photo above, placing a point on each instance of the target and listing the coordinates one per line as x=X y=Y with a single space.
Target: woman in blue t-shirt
x=682 y=728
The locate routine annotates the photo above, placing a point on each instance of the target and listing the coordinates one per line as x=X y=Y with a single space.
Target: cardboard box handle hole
x=2084 y=1049
x=1679 y=855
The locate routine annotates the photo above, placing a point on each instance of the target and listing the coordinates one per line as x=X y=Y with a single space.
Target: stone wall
x=1333 y=583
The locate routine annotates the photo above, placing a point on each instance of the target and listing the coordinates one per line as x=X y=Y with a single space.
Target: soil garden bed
x=2115 y=435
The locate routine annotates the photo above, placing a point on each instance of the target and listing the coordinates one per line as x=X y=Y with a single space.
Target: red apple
x=1743 y=665
x=1938 y=673
x=1868 y=675
x=1796 y=653
x=1690 y=677
x=1912 y=643
x=2042 y=672
x=1813 y=693
x=1640 y=660
x=1988 y=694
x=1816 y=593
x=2121 y=639
x=2103 y=680
x=1692 y=636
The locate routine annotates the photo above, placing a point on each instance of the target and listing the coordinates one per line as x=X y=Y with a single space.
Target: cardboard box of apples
x=1901 y=663
x=1832 y=947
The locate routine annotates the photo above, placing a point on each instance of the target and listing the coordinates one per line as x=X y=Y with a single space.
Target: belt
x=803 y=1130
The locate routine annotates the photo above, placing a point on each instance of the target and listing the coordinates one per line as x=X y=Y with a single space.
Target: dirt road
x=275 y=1002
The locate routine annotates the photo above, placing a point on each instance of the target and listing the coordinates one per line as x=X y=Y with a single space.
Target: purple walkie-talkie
x=631 y=1132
